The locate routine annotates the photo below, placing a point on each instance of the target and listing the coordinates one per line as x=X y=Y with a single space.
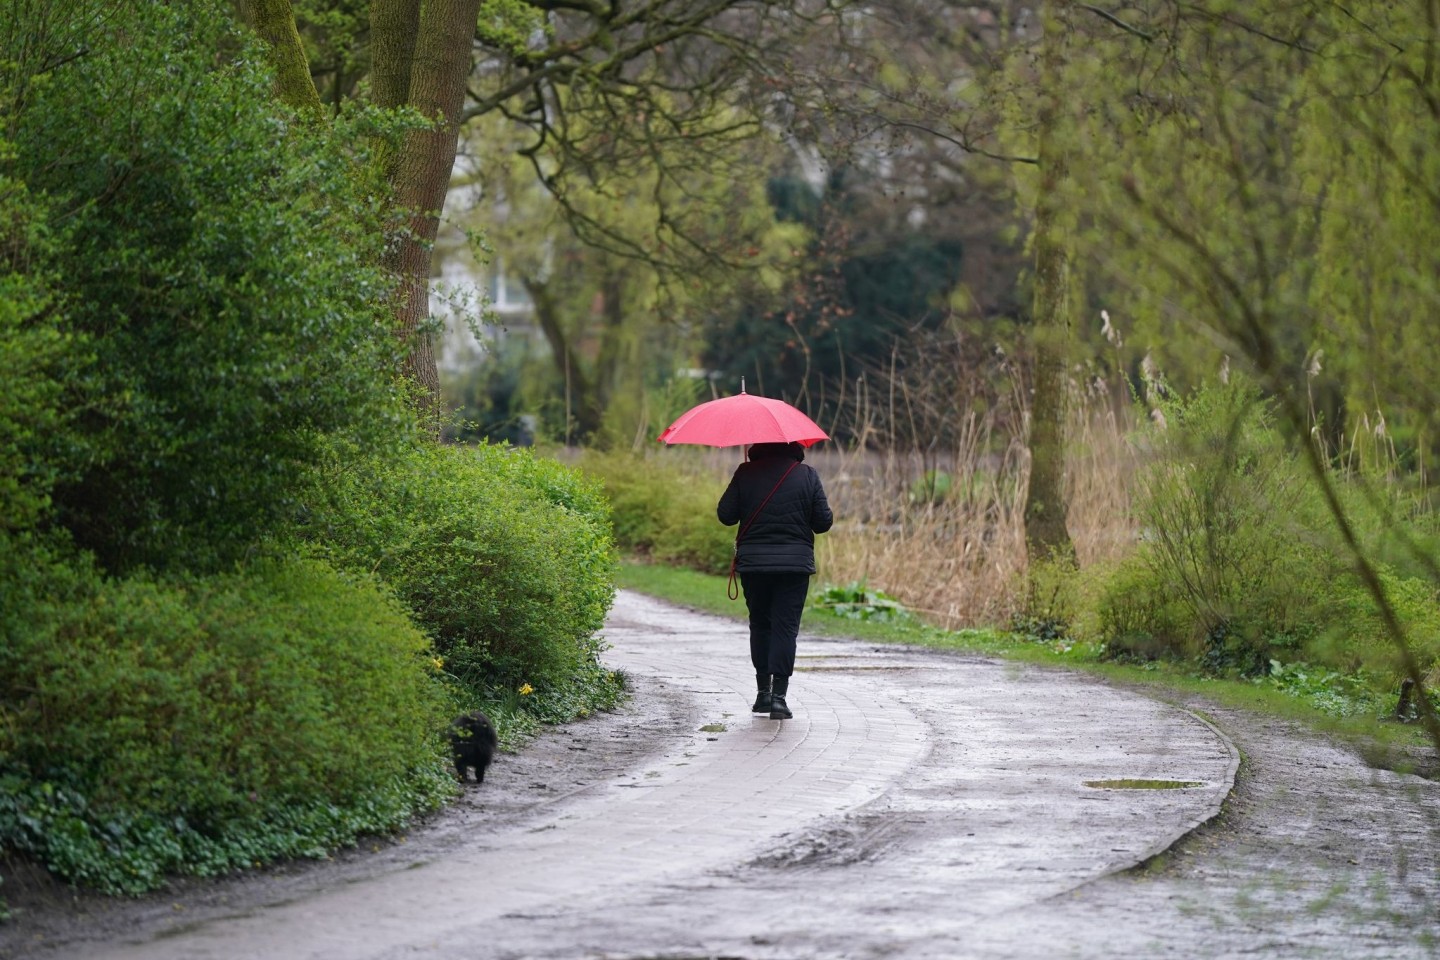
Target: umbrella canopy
x=740 y=420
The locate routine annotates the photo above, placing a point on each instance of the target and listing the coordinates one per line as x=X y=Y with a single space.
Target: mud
x=920 y=805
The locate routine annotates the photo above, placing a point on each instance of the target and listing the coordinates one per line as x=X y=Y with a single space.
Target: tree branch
x=1107 y=15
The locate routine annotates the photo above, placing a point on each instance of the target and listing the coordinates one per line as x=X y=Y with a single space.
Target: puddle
x=855 y=669
x=713 y=728
x=1143 y=784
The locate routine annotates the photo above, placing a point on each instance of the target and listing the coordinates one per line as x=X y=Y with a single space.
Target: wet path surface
x=914 y=798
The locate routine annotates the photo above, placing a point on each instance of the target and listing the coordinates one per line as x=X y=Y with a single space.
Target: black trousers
x=775 y=602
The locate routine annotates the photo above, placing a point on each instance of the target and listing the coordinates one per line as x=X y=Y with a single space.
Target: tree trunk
x=274 y=21
x=582 y=417
x=421 y=52
x=394 y=27
x=611 y=356
x=420 y=176
x=1046 y=535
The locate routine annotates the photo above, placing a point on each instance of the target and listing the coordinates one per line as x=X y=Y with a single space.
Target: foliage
x=1228 y=527
x=36 y=357
x=1283 y=230
x=866 y=282
x=1259 y=194
x=502 y=557
x=858 y=602
x=932 y=486
x=616 y=297
x=1137 y=614
x=217 y=259
x=486 y=398
x=1052 y=599
x=1232 y=570
x=153 y=725
x=1332 y=692
x=1355 y=639
x=193 y=322
x=660 y=511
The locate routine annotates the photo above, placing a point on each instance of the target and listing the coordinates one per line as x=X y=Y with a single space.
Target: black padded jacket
x=781 y=539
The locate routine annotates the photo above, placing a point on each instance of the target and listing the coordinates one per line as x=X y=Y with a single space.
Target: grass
x=1383 y=742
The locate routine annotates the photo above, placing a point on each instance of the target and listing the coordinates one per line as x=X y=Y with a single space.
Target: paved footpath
x=913 y=795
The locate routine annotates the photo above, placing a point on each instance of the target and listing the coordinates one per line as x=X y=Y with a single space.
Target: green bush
x=1230 y=563
x=1356 y=638
x=933 y=486
x=504 y=559
x=1137 y=614
x=219 y=260
x=36 y=358
x=660 y=512
x=1232 y=569
x=155 y=725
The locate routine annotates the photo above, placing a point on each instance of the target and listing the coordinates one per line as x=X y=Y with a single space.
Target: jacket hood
x=767 y=451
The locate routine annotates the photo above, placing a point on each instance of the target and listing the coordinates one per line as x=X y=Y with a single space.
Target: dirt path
x=919 y=805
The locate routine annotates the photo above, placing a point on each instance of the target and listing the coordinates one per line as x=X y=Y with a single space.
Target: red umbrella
x=740 y=420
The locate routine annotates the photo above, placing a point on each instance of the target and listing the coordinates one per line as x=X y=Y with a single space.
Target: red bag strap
x=732 y=589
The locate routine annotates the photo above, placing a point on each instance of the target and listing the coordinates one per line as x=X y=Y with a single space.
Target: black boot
x=778 y=688
x=762 y=698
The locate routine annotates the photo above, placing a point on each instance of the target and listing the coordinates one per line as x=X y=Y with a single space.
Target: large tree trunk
x=420 y=173
x=274 y=21
x=1046 y=534
x=394 y=27
x=421 y=56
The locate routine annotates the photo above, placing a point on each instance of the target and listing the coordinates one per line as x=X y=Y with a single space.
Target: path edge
x=1164 y=845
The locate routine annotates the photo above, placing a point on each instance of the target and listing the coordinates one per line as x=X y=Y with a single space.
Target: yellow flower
x=438 y=662
x=526 y=689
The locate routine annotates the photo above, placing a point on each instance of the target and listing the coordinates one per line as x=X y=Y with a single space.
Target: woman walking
x=780 y=503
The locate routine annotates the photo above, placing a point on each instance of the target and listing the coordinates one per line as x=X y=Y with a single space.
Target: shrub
x=153 y=725
x=1356 y=638
x=504 y=559
x=1232 y=567
x=1051 y=599
x=35 y=357
x=933 y=486
x=221 y=260
x=660 y=512
x=1137 y=614
x=1228 y=531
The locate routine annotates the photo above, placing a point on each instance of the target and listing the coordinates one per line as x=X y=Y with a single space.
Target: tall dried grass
x=958 y=559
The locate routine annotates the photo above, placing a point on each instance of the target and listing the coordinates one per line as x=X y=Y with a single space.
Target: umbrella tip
x=742 y=384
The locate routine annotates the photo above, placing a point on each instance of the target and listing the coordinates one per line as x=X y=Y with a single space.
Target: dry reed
x=958 y=559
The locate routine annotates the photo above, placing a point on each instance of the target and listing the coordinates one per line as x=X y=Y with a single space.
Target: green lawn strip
x=1382 y=742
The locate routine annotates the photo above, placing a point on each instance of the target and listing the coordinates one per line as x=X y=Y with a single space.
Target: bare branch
x=1107 y=15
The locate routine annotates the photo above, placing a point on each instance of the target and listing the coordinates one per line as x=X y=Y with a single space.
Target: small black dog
x=473 y=743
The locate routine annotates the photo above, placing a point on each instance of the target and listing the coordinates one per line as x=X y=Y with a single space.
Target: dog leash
x=732 y=589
